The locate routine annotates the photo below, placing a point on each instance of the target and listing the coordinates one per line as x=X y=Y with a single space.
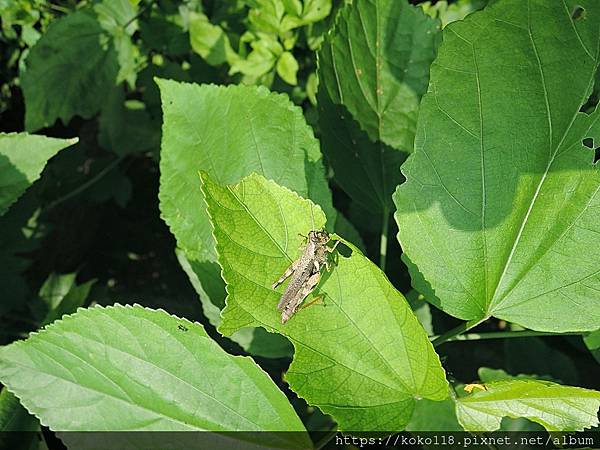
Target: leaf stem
x=85 y=185
x=454 y=332
x=504 y=334
x=328 y=437
x=383 y=244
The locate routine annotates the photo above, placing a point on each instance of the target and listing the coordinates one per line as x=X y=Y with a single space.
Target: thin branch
x=503 y=335
x=85 y=185
x=384 y=239
x=454 y=332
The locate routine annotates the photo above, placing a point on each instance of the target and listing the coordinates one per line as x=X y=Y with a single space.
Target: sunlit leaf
x=499 y=211
x=361 y=355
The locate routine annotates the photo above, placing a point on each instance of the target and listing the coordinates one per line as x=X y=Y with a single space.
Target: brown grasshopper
x=306 y=272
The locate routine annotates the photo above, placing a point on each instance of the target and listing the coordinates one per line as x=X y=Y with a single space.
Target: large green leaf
x=361 y=356
x=375 y=62
x=556 y=407
x=499 y=212
x=229 y=132
x=22 y=159
x=367 y=171
x=394 y=44
x=131 y=368
x=69 y=70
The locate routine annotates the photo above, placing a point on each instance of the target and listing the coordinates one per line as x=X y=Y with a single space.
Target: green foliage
x=22 y=159
x=372 y=76
x=264 y=47
x=366 y=357
x=75 y=40
x=375 y=62
x=104 y=393
x=592 y=341
x=498 y=214
x=497 y=219
x=556 y=407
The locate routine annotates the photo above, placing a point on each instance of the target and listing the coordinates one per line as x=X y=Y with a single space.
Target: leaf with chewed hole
x=361 y=355
x=499 y=213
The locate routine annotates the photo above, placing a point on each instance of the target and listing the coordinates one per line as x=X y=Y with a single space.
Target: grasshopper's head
x=318 y=237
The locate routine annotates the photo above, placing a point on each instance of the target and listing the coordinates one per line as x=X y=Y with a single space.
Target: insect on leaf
x=361 y=356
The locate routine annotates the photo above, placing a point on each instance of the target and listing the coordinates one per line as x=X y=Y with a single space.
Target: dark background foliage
x=94 y=212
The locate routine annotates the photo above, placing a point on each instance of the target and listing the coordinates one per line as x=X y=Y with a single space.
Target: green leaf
x=287 y=68
x=313 y=11
x=127 y=127
x=434 y=416
x=266 y=15
x=255 y=341
x=75 y=52
x=230 y=132
x=361 y=356
x=22 y=159
x=499 y=211
x=376 y=62
x=61 y=295
x=13 y=417
x=367 y=171
x=261 y=60
x=116 y=18
x=209 y=41
x=556 y=407
x=131 y=368
x=592 y=342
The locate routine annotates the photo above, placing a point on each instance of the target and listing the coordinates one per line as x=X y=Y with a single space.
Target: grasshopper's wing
x=291 y=307
x=288 y=272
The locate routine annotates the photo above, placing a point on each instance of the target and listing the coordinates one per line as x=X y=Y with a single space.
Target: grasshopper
x=305 y=272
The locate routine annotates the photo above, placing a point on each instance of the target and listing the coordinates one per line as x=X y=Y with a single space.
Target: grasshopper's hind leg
x=290 y=309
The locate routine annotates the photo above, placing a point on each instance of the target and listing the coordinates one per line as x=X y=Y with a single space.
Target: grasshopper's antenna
x=312 y=217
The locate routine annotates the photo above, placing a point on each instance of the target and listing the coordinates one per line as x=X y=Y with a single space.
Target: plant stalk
x=503 y=335
x=454 y=332
x=85 y=185
x=328 y=437
x=383 y=244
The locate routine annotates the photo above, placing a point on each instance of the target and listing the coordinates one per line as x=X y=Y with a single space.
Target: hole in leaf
x=592 y=101
x=578 y=13
x=589 y=143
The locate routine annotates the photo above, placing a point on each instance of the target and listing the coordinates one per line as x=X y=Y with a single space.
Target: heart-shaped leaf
x=500 y=208
x=361 y=356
